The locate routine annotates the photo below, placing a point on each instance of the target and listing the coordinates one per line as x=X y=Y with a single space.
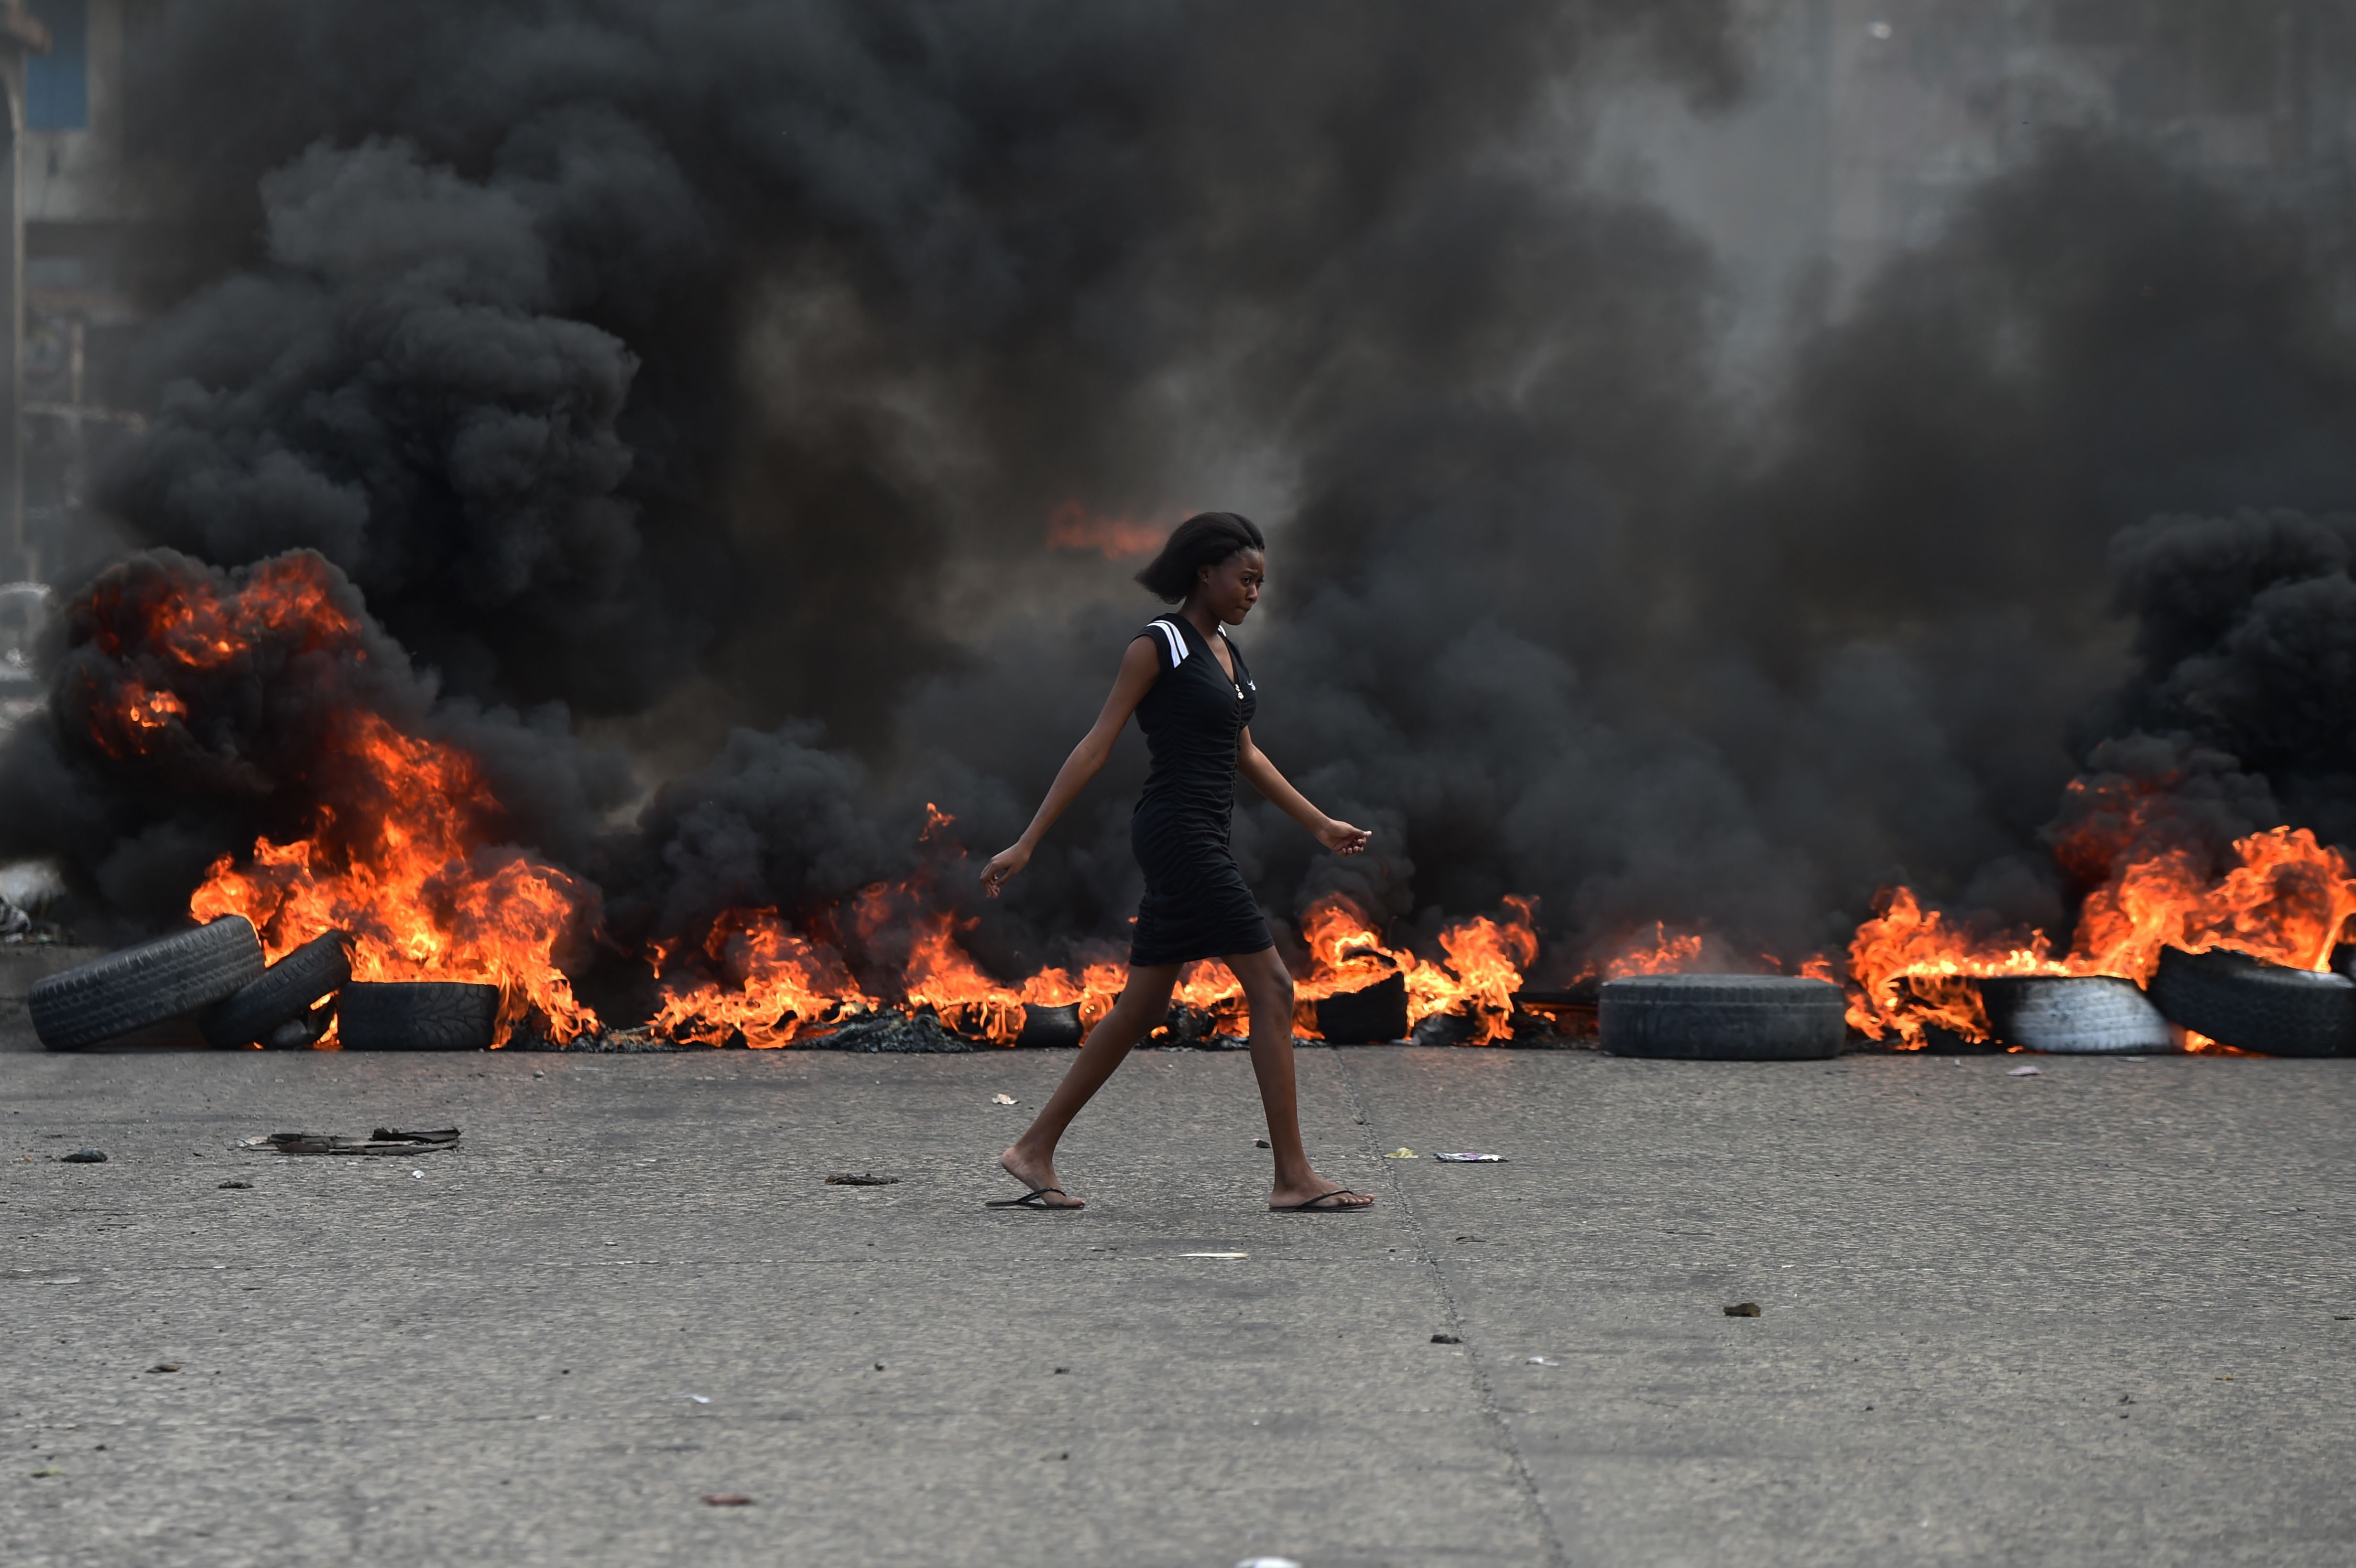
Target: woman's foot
x=1307 y=1194
x=1036 y=1174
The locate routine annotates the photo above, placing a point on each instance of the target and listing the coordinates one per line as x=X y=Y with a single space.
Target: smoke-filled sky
x=686 y=387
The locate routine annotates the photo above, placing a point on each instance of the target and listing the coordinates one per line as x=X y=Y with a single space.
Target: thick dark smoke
x=686 y=366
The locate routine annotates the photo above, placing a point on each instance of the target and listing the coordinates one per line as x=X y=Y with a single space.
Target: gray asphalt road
x=2099 y=1315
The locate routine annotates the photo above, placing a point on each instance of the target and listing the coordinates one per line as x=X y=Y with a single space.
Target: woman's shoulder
x=1169 y=642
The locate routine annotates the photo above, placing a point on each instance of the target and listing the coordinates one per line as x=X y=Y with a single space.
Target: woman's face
x=1230 y=589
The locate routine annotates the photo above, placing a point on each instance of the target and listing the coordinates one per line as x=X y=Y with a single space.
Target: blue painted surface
x=56 y=84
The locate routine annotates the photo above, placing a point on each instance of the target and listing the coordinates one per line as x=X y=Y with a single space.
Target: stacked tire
x=2251 y=1004
x=215 y=979
x=139 y=987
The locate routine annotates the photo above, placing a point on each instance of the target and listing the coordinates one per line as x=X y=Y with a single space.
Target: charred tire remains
x=285 y=995
x=417 y=1015
x=2240 y=1001
x=2073 y=1014
x=145 y=985
x=1723 y=1017
x=1369 y=1017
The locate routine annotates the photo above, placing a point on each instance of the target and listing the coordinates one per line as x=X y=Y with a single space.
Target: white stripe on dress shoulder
x=1177 y=643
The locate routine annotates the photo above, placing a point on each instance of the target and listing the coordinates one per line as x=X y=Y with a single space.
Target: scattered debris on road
x=165 y=1367
x=383 y=1140
x=2024 y=1072
x=727 y=1499
x=1401 y=1152
x=84 y=1156
x=1743 y=1309
x=1268 y=1563
x=1538 y=1361
x=1261 y=1143
x=1472 y=1159
x=1214 y=1254
x=865 y=1179
x=1002 y=1099
x=237 y=1187
x=1446 y=1339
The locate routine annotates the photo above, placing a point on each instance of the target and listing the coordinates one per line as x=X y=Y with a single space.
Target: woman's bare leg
x=1268 y=989
x=1144 y=1004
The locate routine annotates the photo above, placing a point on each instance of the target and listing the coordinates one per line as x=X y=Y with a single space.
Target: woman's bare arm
x=1262 y=775
x=1139 y=668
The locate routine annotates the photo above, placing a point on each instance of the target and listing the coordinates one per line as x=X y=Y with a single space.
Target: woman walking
x=1194 y=696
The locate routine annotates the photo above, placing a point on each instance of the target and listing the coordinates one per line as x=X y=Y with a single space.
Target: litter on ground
x=2024 y=1072
x=383 y=1140
x=1743 y=1309
x=1472 y=1159
x=1400 y=1154
x=1002 y=1099
x=84 y=1156
x=865 y=1179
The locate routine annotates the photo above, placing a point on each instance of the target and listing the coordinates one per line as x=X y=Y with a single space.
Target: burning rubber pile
x=384 y=906
x=746 y=462
x=392 y=915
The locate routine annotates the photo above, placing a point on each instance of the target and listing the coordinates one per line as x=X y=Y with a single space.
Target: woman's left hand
x=1343 y=838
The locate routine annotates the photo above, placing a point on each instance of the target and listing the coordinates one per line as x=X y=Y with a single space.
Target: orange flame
x=417 y=884
x=407 y=861
x=774 y=986
x=1668 y=953
x=1072 y=527
x=2286 y=900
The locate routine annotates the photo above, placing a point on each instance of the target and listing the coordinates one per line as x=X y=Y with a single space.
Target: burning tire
x=417 y=1015
x=2073 y=1014
x=145 y=985
x=2253 y=1006
x=1723 y=1017
x=1048 y=1029
x=1374 y=1016
x=285 y=995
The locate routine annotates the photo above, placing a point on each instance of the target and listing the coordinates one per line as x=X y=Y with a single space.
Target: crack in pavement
x=1482 y=1392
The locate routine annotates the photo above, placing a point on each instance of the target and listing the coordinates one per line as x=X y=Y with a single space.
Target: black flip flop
x=1032 y=1200
x=1323 y=1204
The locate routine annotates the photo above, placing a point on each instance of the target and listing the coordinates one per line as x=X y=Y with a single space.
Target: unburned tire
x=2073 y=1014
x=2240 y=1001
x=285 y=993
x=1723 y=1017
x=145 y=985
x=1371 y=1016
x=417 y=1015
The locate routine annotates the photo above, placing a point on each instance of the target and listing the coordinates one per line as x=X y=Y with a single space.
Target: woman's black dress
x=1196 y=904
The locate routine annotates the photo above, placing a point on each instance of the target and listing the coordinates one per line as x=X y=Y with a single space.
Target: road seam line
x=1480 y=1389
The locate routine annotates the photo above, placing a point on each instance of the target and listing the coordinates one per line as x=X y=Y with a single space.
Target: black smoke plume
x=706 y=375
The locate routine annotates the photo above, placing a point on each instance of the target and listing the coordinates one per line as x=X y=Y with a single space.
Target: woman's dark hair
x=1203 y=540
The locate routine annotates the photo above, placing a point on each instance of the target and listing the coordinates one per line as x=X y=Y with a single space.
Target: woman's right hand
x=1002 y=865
